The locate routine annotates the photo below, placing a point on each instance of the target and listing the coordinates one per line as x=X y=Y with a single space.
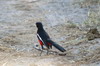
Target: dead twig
x=50 y=51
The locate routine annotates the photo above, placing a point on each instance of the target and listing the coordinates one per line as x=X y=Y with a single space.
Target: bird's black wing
x=43 y=36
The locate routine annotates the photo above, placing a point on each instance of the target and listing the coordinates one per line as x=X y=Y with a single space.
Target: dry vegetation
x=19 y=37
x=93 y=20
x=93 y=14
x=88 y=3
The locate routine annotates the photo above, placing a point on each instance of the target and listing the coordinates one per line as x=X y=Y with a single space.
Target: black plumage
x=44 y=39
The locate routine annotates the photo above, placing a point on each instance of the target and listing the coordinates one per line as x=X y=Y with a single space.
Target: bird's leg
x=47 y=51
x=41 y=50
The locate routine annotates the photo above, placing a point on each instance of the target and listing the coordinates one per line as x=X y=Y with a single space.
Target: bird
x=45 y=40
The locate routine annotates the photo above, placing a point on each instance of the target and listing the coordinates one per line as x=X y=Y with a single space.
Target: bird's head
x=39 y=25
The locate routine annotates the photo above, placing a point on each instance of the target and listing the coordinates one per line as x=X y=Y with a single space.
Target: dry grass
x=88 y=3
x=93 y=20
x=71 y=25
x=6 y=49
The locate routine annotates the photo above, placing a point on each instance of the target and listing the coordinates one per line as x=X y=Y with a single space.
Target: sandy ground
x=18 y=34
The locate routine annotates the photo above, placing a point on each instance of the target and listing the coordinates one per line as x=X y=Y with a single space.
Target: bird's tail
x=57 y=46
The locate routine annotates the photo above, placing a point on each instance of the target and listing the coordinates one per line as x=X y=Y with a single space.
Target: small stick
x=45 y=49
x=49 y=51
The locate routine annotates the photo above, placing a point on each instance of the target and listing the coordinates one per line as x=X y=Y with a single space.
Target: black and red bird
x=45 y=40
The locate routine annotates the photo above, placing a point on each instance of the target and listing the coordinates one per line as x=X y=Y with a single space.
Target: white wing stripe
x=40 y=38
